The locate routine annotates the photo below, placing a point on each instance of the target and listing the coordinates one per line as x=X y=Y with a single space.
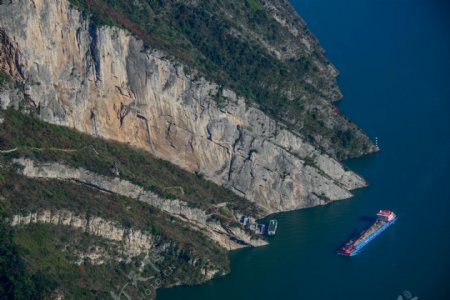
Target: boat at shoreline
x=385 y=218
x=272 y=228
x=259 y=228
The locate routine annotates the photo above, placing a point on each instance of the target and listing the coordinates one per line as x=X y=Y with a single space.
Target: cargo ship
x=385 y=218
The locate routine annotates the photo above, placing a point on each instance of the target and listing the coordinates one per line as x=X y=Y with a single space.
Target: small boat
x=272 y=229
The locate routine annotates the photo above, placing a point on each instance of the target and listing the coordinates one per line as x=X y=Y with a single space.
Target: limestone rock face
x=228 y=238
x=101 y=81
x=112 y=185
x=134 y=242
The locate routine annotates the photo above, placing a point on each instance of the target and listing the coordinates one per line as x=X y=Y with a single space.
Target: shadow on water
x=368 y=219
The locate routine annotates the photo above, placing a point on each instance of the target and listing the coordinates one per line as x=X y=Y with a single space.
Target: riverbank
x=393 y=59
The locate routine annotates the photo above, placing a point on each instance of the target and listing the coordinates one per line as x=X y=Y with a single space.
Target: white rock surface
x=101 y=81
x=197 y=218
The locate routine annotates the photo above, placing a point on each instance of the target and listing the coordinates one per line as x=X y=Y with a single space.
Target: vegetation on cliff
x=35 y=260
x=40 y=140
x=240 y=45
x=237 y=44
x=15 y=281
x=4 y=78
x=43 y=251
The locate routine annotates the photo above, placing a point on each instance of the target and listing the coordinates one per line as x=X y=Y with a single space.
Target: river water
x=394 y=59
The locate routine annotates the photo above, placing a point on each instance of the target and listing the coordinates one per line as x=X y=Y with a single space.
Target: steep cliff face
x=103 y=82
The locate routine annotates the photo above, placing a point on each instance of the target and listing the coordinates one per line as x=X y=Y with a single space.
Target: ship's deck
x=374 y=227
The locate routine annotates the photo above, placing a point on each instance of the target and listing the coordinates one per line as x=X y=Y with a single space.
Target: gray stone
x=81 y=76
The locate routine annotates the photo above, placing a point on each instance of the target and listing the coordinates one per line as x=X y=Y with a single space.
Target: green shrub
x=200 y=36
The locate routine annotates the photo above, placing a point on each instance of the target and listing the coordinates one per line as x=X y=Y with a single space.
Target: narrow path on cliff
x=48 y=149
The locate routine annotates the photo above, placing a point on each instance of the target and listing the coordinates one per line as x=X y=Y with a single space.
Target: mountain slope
x=148 y=128
x=101 y=80
x=260 y=49
x=83 y=235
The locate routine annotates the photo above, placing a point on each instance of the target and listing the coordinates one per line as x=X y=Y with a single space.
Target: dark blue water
x=394 y=58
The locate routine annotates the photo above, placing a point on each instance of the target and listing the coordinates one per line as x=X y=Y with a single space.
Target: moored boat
x=272 y=229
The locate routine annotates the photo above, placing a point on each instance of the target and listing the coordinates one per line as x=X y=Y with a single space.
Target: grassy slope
x=41 y=246
x=202 y=34
x=136 y=165
x=37 y=247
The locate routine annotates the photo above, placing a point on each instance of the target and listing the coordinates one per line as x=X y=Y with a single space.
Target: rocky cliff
x=101 y=80
x=68 y=223
x=134 y=242
x=119 y=243
x=229 y=238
